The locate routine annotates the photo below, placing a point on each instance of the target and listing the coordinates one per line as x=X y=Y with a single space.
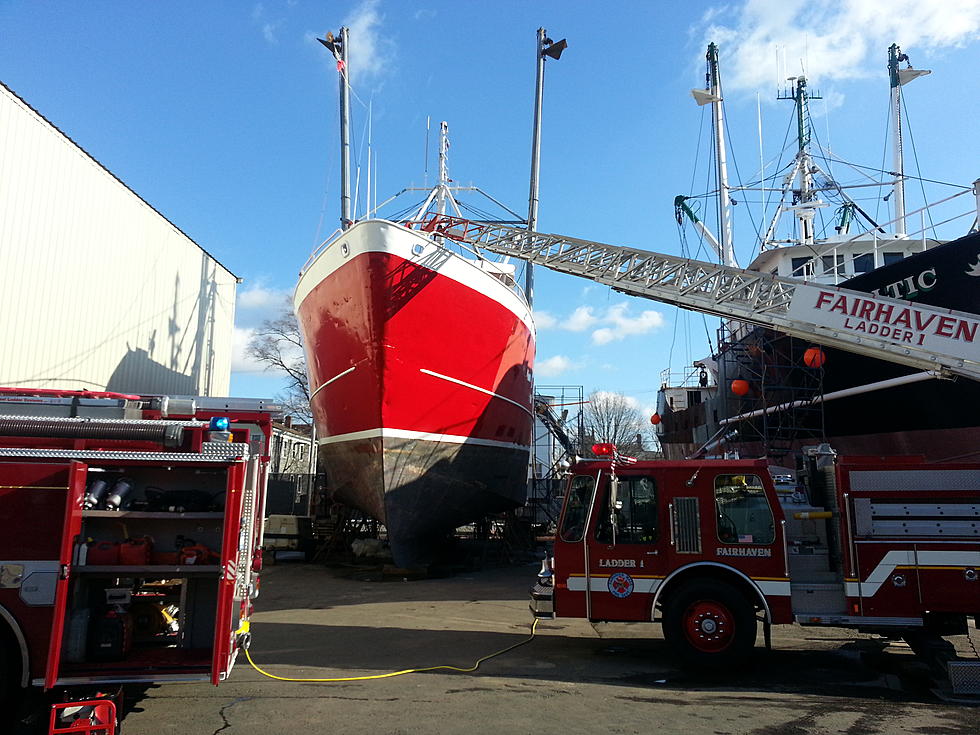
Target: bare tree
x=612 y=417
x=278 y=345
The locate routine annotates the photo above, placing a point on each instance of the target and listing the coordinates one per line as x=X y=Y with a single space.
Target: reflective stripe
x=913 y=559
x=649 y=585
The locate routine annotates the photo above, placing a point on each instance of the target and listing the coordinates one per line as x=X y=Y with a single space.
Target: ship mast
x=443 y=186
x=338 y=47
x=805 y=199
x=721 y=162
x=722 y=245
x=897 y=78
x=546 y=47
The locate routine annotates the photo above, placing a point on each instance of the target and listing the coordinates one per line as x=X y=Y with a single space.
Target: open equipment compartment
x=138 y=553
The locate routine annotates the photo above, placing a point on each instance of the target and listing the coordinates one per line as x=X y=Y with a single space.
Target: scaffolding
x=559 y=436
x=783 y=407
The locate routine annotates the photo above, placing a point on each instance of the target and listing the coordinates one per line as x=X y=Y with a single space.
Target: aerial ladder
x=940 y=341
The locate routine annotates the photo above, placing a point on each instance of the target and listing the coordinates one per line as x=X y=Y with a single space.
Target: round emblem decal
x=621 y=584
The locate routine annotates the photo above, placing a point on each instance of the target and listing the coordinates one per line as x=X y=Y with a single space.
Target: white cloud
x=269 y=31
x=553 y=366
x=544 y=320
x=580 y=320
x=623 y=325
x=269 y=28
x=240 y=361
x=258 y=296
x=764 y=41
x=615 y=324
x=370 y=53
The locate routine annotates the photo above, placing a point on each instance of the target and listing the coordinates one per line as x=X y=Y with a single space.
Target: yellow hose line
x=472 y=668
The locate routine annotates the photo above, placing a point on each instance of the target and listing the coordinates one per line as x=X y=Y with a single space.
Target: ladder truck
x=710 y=547
x=889 y=545
x=131 y=546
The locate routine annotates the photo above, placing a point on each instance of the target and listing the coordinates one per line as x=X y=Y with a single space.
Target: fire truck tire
x=709 y=624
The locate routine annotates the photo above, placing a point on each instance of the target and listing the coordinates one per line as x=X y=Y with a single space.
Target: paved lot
x=572 y=678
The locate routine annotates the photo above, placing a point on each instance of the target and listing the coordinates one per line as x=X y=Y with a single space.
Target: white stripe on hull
x=386 y=433
x=476 y=388
x=328 y=382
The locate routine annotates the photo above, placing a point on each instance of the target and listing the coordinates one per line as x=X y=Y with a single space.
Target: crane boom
x=939 y=340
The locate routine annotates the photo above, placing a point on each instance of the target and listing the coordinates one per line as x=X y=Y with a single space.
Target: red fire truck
x=709 y=547
x=131 y=537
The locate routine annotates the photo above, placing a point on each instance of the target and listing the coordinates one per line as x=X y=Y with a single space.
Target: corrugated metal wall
x=99 y=291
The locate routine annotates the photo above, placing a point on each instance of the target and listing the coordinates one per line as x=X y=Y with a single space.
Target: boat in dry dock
x=419 y=356
x=419 y=361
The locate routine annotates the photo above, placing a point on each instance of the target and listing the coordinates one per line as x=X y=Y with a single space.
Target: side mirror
x=615 y=504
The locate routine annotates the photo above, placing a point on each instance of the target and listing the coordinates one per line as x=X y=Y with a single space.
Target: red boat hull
x=420 y=374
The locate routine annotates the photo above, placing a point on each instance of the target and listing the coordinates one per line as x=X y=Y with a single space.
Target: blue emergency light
x=218 y=423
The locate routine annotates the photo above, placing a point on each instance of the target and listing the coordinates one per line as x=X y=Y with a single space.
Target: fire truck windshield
x=744 y=516
x=577 y=502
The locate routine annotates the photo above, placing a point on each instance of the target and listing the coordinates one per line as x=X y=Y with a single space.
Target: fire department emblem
x=621 y=584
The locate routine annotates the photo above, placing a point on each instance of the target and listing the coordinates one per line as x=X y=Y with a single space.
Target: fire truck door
x=572 y=597
x=627 y=548
x=69 y=525
x=236 y=559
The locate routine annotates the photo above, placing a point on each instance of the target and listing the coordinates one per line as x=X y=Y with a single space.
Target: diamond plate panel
x=217 y=453
x=964 y=676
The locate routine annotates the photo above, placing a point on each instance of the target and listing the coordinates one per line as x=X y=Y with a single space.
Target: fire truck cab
x=712 y=547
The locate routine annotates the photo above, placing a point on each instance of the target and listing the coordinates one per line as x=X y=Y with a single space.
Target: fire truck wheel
x=709 y=624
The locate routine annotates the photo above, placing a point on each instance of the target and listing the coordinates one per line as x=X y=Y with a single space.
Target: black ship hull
x=790 y=405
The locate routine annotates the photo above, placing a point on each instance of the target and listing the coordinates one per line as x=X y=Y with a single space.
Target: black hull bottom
x=423 y=490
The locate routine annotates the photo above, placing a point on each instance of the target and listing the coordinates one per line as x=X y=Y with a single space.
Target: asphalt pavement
x=314 y=621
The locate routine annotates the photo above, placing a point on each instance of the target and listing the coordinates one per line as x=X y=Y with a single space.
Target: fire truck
x=711 y=547
x=131 y=542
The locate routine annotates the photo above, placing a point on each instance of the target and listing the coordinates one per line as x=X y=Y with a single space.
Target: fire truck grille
x=687 y=525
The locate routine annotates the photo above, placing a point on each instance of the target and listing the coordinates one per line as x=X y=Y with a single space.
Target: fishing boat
x=762 y=393
x=419 y=357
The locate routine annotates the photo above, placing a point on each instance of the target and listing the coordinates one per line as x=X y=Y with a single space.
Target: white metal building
x=98 y=290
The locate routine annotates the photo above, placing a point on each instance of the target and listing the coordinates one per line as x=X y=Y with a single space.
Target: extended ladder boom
x=926 y=337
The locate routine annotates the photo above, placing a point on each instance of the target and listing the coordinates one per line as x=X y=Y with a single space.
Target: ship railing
x=835 y=273
x=319 y=249
x=430 y=226
x=688 y=377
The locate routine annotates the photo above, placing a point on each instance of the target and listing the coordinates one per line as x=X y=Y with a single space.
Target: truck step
x=814 y=597
x=964 y=676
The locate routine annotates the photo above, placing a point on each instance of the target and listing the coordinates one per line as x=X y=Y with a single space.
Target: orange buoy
x=655 y=419
x=814 y=357
x=740 y=387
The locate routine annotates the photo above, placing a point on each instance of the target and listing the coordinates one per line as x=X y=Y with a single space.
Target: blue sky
x=223 y=115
